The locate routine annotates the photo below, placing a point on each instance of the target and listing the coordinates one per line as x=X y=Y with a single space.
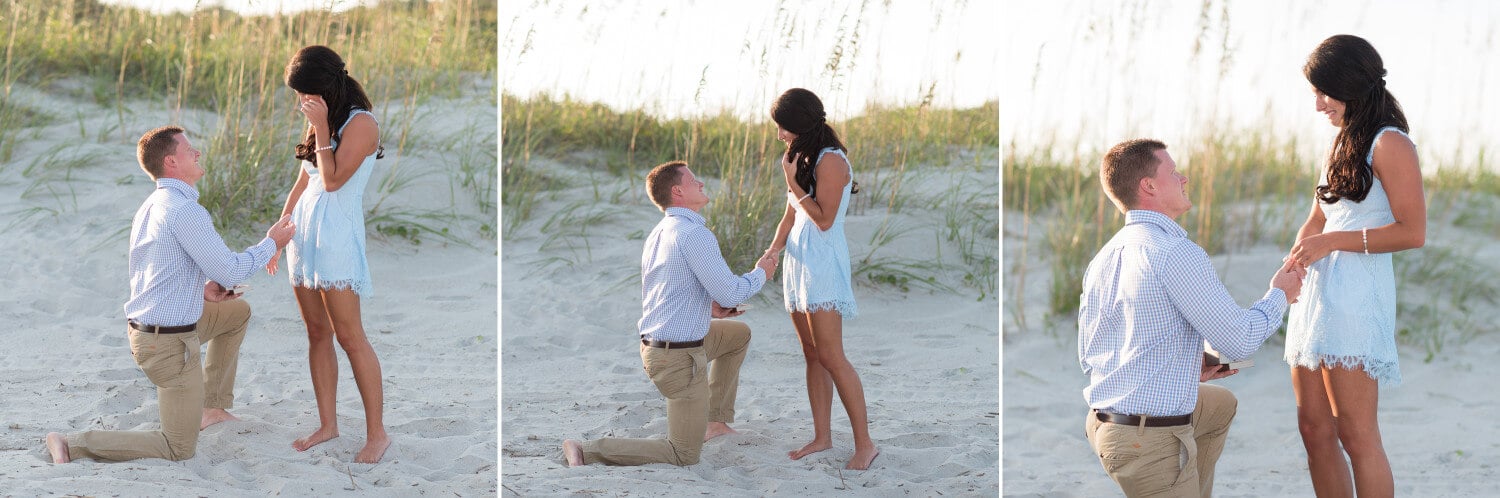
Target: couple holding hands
x=1151 y=299
x=688 y=292
x=182 y=276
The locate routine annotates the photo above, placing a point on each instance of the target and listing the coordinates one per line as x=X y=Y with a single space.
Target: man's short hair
x=661 y=179
x=1125 y=165
x=154 y=147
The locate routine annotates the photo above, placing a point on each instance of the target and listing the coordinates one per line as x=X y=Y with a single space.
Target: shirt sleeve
x=701 y=250
x=1196 y=291
x=195 y=231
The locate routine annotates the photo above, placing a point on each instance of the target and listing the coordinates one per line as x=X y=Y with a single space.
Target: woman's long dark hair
x=799 y=111
x=318 y=70
x=1347 y=68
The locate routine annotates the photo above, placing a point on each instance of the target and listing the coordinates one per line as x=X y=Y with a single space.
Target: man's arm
x=1196 y=291
x=195 y=232
x=701 y=250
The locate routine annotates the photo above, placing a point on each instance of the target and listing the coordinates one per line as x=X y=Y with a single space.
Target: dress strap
x=352 y=113
x=1370 y=156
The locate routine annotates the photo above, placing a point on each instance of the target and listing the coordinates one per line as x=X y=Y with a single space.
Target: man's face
x=1169 y=186
x=690 y=191
x=182 y=163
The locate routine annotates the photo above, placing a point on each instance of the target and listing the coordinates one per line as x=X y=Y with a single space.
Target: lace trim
x=359 y=287
x=1387 y=373
x=846 y=309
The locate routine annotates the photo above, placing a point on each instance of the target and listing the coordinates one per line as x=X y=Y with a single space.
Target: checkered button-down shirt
x=174 y=251
x=682 y=274
x=1150 y=299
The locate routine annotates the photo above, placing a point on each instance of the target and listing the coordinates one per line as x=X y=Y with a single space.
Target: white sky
x=652 y=54
x=1098 y=72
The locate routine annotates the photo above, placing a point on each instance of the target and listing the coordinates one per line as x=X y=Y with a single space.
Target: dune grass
x=743 y=156
x=1251 y=190
x=404 y=52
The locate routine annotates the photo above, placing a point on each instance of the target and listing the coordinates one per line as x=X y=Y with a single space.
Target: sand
x=571 y=367
x=432 y=321
x=1434 y=426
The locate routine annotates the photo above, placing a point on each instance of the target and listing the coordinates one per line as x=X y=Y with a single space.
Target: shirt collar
x=1154 y=218
x=687 y=214
x=178 y=185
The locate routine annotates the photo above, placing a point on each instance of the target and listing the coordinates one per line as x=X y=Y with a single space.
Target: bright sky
x=654 y=54
x=1098 y=72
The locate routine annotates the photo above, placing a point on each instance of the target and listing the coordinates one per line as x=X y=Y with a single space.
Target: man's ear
x=1147 y=186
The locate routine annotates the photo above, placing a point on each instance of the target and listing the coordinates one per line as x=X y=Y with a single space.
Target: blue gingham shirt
x=1150 y=299
x=682 y=274
x=174 y=252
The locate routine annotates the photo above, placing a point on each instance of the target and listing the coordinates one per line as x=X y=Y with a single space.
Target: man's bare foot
x=862 y=458
x=573 y=452
x=374 y=449
x=815 y=446
x=716 y=429
x=57 y=445
x=213 y=416
x=323 y=434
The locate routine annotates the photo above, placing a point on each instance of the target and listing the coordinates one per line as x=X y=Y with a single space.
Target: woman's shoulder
x=1387 y=143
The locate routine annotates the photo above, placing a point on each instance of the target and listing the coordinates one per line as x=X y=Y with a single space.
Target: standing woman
x=326 y=257
x=815 y=274
x=1341 y=337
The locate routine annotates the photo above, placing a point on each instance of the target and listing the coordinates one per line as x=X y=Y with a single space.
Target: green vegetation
x=1246 y=191
x=744 y=156
x=405 y=52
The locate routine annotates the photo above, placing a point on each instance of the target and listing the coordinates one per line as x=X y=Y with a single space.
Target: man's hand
x=767 y=262
x=213 y=292
x=721 y=312
x=281 y=231
x=1211 y=372
x=1288 y=278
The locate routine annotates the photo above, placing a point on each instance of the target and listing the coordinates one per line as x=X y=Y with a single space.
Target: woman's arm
x=783 y=229
x=1396 y=165
x=296 y=193
x=833 y=174
x=359 y=140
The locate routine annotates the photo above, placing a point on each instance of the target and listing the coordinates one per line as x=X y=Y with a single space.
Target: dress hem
x=1386 y=373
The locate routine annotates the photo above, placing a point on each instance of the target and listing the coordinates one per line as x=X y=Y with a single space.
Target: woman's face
x=1330 y=107
x=785 y=136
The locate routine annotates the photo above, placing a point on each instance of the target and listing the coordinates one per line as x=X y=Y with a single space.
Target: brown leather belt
x=1173 y=421
x=157 y=329
x=672 y=345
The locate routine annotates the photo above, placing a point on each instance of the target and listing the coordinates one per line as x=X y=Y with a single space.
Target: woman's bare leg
x=322 y=363
x=1355 y=397
x=819 y=390
x=828 y=333
x=343 y=309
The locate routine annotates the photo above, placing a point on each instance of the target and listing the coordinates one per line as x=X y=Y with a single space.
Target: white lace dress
x=1346 y=316
x=815 y=272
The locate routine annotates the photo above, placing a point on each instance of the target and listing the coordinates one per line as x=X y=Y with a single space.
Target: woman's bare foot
x=862 y=458
x=572 y=452
x=716 y=429
x=323 y=434
x=374 y=449
x=213 y=416
x=815 y=446
x=57 y=445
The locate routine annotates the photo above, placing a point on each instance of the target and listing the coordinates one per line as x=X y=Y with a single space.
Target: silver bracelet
x=321 y=149
x=1364 y=235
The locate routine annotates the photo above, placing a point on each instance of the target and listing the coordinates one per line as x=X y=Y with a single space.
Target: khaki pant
x=695 y=395
x=172 y=362
x=1167 y=461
